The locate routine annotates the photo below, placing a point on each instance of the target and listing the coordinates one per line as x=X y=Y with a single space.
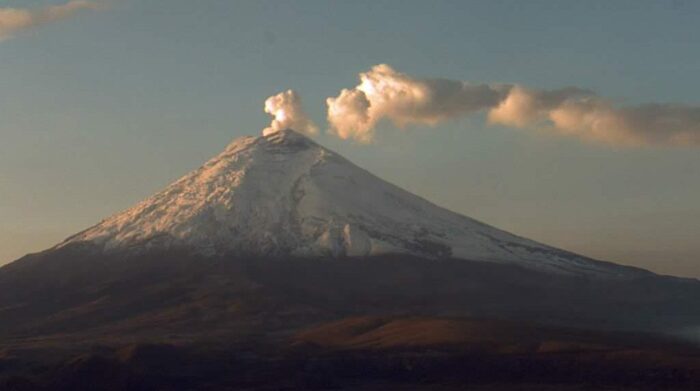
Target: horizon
x=89 y=132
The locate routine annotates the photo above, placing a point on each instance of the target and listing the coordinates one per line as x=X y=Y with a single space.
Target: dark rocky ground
x=72 y=321
x=364 y=353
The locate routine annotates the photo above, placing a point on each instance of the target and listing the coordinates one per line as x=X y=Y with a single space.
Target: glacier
x=282 y=194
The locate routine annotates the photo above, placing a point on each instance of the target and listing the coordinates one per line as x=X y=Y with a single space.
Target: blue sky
x=102 y=109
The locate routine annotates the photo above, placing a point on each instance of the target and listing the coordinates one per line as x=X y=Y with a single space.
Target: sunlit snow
x=282 y=194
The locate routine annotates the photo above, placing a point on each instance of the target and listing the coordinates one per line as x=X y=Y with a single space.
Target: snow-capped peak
x=282 y=194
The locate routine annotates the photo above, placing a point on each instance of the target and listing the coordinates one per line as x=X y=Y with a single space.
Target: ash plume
x=404 y=100
x=286 y=109
x=384 y=93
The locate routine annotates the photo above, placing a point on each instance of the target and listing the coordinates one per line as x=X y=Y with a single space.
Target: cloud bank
x=13 y=20
x=286 y=109
x=384 y=93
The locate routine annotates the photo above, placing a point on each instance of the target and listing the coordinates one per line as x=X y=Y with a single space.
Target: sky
x=104 y=105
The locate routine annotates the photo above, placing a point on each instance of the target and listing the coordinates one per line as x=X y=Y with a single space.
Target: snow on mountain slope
x=283 y=194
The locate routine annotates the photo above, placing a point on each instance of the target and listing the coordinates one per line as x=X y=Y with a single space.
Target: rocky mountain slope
x=278 y=233
x=284 y=195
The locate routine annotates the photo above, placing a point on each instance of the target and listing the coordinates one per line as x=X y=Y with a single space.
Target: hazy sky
x=102 y=107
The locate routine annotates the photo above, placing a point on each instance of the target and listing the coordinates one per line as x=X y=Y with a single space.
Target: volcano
x=278 y=231
x=283 y=195
x=279 y=264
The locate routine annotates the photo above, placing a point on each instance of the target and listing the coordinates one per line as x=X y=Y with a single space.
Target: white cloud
x=13 y=20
